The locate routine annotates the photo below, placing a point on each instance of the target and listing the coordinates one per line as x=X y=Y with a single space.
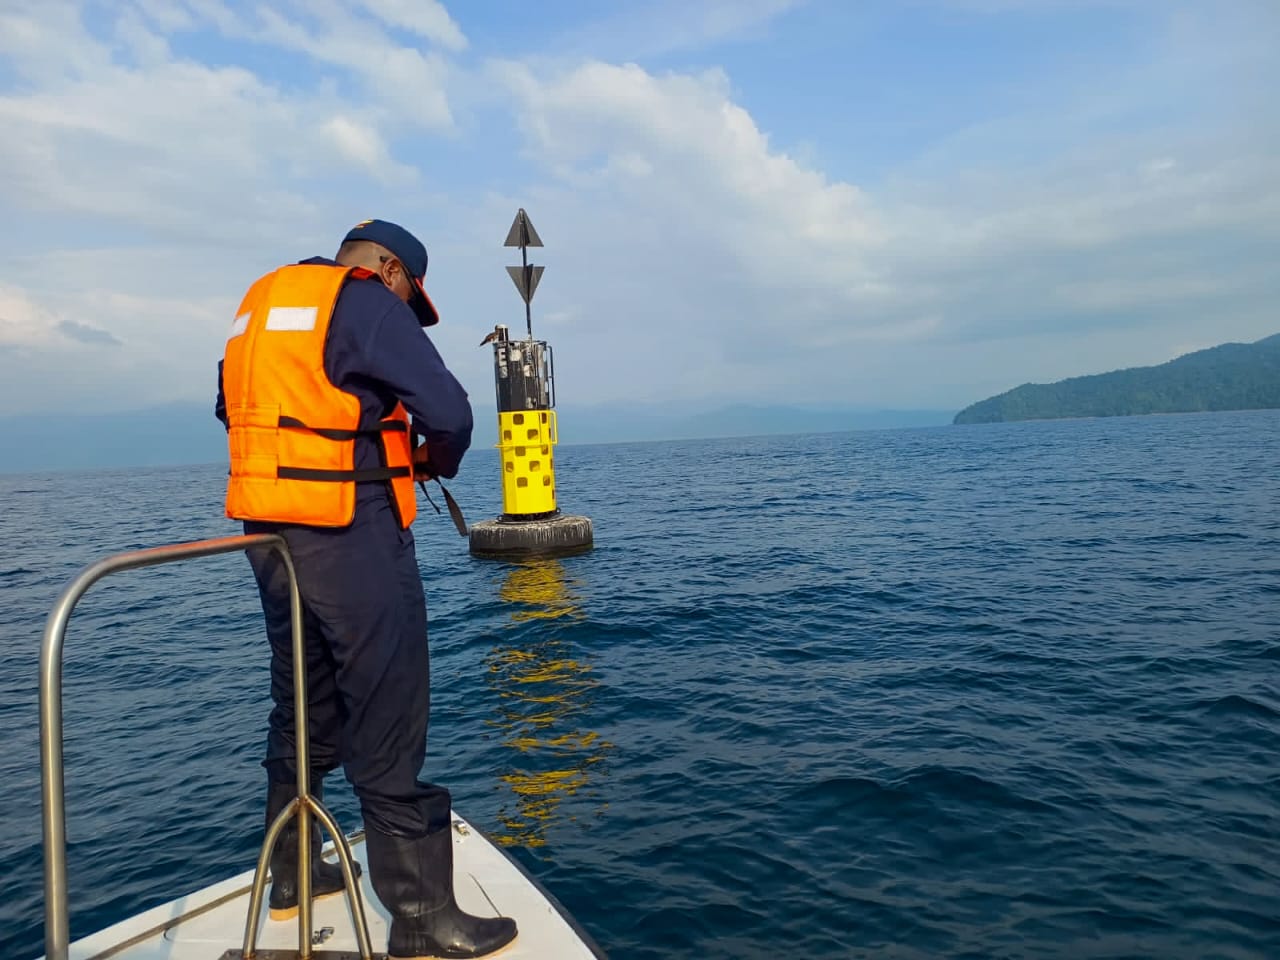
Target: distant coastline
x=1230 y=376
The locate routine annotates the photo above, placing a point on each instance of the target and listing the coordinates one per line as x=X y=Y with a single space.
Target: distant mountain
x=187 y=433
x=630 y=422
x=1232 y=376
x=171 y=435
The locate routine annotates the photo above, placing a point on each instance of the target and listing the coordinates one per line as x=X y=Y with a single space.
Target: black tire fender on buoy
x=515 y=539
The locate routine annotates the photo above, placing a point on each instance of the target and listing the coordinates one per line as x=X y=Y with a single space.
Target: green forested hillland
x=1232 y=376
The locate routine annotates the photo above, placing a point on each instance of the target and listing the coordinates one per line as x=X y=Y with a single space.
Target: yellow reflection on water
x=544 y=688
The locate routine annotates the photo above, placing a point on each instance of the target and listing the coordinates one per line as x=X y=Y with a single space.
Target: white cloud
x=22 y=322
x=427 y=18
x=680 y=159
x=108 y=349
x=215 y=13
x=731 y=266
x=180 y=156
x=118 y=129
x=27 y=326
x=690 y=256
x=202 y=176
x=167 y=15
x=408 y=85
x=364 y=145
x=145 y=46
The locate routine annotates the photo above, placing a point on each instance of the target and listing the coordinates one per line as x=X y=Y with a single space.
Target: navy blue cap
x=408 y=249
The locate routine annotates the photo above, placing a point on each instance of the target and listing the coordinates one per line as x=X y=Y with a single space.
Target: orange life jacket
x=292 y=433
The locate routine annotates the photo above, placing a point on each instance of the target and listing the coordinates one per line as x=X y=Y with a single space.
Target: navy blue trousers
x=368 y=699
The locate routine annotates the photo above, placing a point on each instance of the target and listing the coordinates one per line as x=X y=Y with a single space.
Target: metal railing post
x=57 y=939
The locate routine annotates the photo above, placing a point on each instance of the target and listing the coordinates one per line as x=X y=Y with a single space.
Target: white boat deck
x=205 y=924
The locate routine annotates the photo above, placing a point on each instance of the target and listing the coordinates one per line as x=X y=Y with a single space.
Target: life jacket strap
x=342 y=476
x=333 y=433
x=455 y=511
x=329 y=433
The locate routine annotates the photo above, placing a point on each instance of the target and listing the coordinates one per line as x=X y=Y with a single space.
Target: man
x=327 y=374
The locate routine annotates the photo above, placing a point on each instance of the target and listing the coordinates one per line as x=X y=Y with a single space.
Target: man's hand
x=422 y=469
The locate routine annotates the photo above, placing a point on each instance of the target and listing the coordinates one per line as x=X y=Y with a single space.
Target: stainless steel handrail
x=57 y=939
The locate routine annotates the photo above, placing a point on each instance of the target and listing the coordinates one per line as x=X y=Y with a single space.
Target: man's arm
x=398 y=354
x=445 y=422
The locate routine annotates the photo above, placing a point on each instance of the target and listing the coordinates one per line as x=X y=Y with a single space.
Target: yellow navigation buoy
x=524 y=377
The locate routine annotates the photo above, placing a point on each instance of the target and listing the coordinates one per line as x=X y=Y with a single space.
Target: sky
x=833 y=203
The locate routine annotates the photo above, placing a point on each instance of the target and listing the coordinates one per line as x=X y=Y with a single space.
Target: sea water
x=991 y=691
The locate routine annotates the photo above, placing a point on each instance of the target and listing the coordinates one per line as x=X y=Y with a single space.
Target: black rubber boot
x=413 y=877
x=326 y=878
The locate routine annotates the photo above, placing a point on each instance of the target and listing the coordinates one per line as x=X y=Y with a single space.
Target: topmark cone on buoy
x=524 y=376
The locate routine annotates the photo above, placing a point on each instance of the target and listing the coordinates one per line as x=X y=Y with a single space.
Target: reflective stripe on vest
x=292 y=433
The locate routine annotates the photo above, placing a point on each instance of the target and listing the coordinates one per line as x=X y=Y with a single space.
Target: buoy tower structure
x=532 y=524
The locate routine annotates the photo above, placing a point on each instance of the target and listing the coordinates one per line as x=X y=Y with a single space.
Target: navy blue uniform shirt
x=376 y=351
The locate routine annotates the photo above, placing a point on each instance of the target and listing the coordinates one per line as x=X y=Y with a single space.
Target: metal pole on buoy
x=531 y=524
